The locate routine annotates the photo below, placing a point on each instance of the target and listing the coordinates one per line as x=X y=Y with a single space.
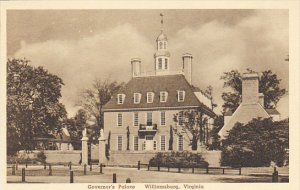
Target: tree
x=171 y=139
x=33 y=107
x=193 y=125
x=268 y=85
x=128 y=136
x=218 y=124
x=93 y=99
x=75 y=126
x=209 y=93
x=270 y=144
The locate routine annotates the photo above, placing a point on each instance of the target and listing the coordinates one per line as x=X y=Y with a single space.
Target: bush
x=178 y=159
x=256 y=144
x=41 y=157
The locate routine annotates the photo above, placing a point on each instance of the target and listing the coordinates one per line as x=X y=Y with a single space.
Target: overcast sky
x=82 y=45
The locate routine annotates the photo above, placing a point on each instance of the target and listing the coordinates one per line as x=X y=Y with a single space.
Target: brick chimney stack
x=250 y=84
x=135 y=67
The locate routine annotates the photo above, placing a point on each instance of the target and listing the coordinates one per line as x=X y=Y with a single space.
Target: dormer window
x=137 y=98
x=163 y=96
x=121 y=98
x=180 y=95
x=150 y=97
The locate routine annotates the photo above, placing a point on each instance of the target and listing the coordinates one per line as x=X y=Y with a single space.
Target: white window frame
x=135 y=148
x=161 y=95
x=120 y=98
x=161 y=118
x=137 y=98
x=160 y=63
x=163 y=144
x=150 y=94
x=119 y=148
x=134 y=119
x=180 y=118
x=120 y=123
x=178 y=143
x=179 y=93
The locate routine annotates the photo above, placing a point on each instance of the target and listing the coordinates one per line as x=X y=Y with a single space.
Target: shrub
x=256 y=144
x=178 y=159
x=41 y=157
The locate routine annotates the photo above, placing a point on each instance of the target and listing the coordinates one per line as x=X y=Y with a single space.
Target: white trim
x=122 y=98
x=161 y=117
x=138 y=100
x=148 y=93
x=178 y=143
x=133 y=119
x=133 y=137
x=166 y=96
x=183 y=95
x=161 y=141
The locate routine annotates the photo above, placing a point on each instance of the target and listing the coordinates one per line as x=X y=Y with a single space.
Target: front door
x=149 y=142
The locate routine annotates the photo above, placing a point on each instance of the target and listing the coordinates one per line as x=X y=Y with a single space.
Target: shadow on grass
x=262 y=179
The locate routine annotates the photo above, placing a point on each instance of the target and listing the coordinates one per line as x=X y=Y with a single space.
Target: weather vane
x=162 y=20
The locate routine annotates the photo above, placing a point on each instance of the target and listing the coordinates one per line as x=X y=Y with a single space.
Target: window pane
x=163 y=118
x=180 y=143
x=163 y=142
x=136 y=119
x=166 y=63
x=159 y=63
x=120 y=139
x=154 y=145
x=136 y=143
x=180 y=118
x=120 y=119
x=149 y=118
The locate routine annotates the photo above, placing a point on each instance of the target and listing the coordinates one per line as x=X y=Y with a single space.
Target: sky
x=83 y=45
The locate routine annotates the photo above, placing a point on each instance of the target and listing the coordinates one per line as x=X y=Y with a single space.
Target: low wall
x=118 y=158
x=127 y=158
x=54 y=156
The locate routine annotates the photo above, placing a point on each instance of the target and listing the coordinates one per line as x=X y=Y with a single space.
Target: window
x=180 y=118
x=180 y=143
x=149 y=118
x=180 y=95
x=163 y=118
x=135 y=119
x=163 y=143
x=163 y=96
x=165 y=45
x=120 y=119
x=119 y=142
x=160 y=63
x=154 y=145
x=160 y=45
x=150 y=96
x=144 y=145
x=121 y=98
x=137 y=98
x=166 y=63
x=135 y=143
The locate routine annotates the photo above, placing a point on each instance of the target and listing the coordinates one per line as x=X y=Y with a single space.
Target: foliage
x=93 y=99
x=33 y=107
x=209 y=93
x=268 y=85
x=256 y=144
x=218 y=124
x=193 y=125
x=107 y=146
x=75 y=126
x=41 y=157
x=171 y=139
x=178 y=159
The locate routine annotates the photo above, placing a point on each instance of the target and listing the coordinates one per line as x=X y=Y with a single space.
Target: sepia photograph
x=167 y=98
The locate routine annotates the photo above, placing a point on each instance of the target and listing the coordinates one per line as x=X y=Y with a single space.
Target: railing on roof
x=155 y=73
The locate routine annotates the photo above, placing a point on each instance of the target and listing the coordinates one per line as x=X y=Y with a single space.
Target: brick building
x=140 y=115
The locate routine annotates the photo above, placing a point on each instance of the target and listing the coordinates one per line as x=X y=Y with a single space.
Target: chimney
x=187 y=66
x=261 y=97
x=250 y=93
x=135 y=67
